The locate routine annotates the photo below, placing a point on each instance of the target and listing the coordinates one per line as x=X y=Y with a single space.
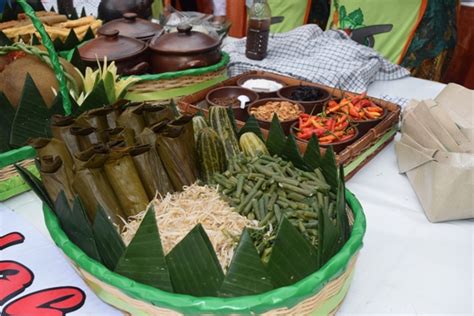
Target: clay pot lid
x=185 y=41
x=111 y=45
x=132 y=26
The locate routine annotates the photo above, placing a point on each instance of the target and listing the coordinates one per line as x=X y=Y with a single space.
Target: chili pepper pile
x=357 y=107
x=328 y=129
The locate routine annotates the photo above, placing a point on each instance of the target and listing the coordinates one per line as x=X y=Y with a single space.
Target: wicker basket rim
x=188 y=72
x=282 y=297
x=16 y=155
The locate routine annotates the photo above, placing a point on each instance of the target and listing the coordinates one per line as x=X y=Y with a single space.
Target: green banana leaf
x=276 y=137
x=251 y=126
x=193 y=265
x=144 y=260
x=97 y=98
x=76 y=225
x=329 y=169
x=32 y=116
x=108 y=241
x=290 y=152
x=342 y=219
x=292 y=258
x=312 y=155
x=246 y=274
x=35 y=184
x=7 y=114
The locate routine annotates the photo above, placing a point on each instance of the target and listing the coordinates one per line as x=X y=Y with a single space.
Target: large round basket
x=321 y=293
x=172 y=85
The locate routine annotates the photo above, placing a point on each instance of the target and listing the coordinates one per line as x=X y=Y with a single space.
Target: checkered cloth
x=308 y=53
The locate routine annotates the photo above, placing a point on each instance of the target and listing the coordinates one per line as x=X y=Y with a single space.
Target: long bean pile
x=267 y=188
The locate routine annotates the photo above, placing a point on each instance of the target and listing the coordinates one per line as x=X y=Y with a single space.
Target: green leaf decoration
x=109 y=243
x=76 y=225
x=291 y=153
x=89 y=35
x=246 y=274
x=342 y=12
x=144 y=260
x=329 y=168
x=96 y=99
x=35 y=184
x=233 y=121
x=357 y=17
x=4 y=40
x=35 y=40
x=276 y=137
x=193 y=265
x=342 y=219
x=32 y=116
x=77 y=62
x=71 y=41
x=7 y=113
x=330 y=236
x=57 y=106
x=312 y=155
x=73 y=15
x=58 y=44
x=292 y=258
x=83 y=12
x=109 y=84
x=251 y=126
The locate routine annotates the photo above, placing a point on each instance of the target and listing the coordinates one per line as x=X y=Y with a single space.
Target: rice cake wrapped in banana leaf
x=132 y=118
x=125 y=181
x=154 y=113
x=56 y=177
x=61 y=129
x=121 y=134
x=86 y=136
x=93 y=187
x=52 y=147
x=151 y=171
x=176 y=150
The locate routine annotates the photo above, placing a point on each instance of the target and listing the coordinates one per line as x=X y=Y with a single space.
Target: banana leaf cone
x=186 y=123
x=91 y=184
x=52 y=147
x=125 y=181
x=157 y=112
x=132 y=118
x=86 y=136
x=174 y=149
x=151 y=171
x=60 y=128
x=56 y=177
x=121 y=134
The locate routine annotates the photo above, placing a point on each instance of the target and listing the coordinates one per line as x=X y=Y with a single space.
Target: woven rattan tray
x=353 y=157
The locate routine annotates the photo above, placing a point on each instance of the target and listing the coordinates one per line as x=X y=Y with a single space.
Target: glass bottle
x=258 y=30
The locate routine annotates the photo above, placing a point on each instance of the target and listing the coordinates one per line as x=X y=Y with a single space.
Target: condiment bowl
x=336 y=146
x=286 y=125
x=232 y=91
x=313 y=106
x=366 y=125
x=262 y=94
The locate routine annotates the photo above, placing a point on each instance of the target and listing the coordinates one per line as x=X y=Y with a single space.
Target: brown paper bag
x=443 y=181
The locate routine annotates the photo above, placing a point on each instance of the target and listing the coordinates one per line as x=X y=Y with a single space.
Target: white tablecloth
x=407 y=265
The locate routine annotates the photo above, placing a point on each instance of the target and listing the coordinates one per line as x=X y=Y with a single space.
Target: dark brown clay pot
x=231 y=91
x=313 y=106
x=131 y=25
x=182 y=50
x=130 y=55
x=114 y=9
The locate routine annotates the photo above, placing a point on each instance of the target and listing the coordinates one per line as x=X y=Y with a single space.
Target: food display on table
x=57 y=26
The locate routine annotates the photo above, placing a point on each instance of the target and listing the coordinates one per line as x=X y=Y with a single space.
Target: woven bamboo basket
x=321 y=293
x=11 y=184
x=177 y=84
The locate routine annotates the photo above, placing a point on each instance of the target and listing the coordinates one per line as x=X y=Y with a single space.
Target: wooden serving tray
x=354 y=156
